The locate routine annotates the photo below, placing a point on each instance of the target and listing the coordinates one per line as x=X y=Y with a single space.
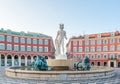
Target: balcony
x=112 y=58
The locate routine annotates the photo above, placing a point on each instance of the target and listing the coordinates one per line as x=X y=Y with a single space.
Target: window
x=112 y=48
x=118 y=40
x=22 y=40
x=74 y=43
x=92 y=64
x=80 y=49
x=99 y=35
x=16 y=39
x=22 y=48
x=105 y=55
x=99 y=41
x=40 y=41
x=35 y=48
x=80 y=42
x=118 y=47
x=92 y=42
x=2 y=38
x=86 y=42
x=92 y=56
x=98 y=48
x=98 y=63
x=46 y=42
x=28 y=48
x=112 y=34
x=28 y=41
x=98 y=56
x=105 y=41
x=105 y=63
x=9 y=47
x=92 y=49
x=9 y=39
x=16 y=48
x=45 y=49
x=8 y=31
x=105 y=48
x=22 y=33
x=34 y=41
x=2 y=46
x=112 y=56
x=74 y=49
x=86 y=49
x=118 y=55
x=112 y=41
x=40 y=49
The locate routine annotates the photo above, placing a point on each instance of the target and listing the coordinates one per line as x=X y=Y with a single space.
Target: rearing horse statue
x=84 y=65
x=40 y=63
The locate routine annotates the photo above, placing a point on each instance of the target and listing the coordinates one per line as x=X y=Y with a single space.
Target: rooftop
x=104 y=34
x=22 y=33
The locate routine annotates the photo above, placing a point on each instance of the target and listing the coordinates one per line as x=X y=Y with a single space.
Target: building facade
x=103 y=49
x=20 y=48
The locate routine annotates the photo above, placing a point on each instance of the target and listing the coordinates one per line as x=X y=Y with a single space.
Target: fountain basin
x=59 y=75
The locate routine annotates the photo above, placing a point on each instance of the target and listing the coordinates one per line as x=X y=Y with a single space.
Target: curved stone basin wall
x=59 y=75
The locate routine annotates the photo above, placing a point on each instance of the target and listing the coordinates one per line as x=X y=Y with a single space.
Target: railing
x=112 y=58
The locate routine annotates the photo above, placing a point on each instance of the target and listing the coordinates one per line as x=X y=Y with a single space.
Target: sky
x=44 y=16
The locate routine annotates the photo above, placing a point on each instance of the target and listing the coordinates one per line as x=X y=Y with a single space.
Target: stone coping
x=59 y=75
x=58 y=72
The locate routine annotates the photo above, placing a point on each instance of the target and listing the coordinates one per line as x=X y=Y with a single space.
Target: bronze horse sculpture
x=40 y=63
x=84 y=65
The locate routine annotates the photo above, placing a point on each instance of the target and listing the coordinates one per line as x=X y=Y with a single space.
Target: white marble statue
x=59 y=41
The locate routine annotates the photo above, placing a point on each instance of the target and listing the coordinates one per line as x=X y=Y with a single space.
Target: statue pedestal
x=61 y=57
x=60 y=64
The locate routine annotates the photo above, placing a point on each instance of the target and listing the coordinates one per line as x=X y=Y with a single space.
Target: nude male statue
x=59 y=41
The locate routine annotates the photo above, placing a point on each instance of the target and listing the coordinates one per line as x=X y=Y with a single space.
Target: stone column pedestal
x=60 y=64
x=25 y=60
x=12 y=60
x=0 y=59
x=6 y=60
x=19 y=60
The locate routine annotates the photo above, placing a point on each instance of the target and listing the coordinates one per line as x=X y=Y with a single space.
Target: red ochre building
x=103 y=49
x=20 y=48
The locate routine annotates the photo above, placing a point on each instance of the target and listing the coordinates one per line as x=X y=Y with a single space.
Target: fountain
x=40 y=71
x=59 y=68
x=60 y=62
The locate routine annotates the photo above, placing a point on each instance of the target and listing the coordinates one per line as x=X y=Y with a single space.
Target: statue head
x=61 y=26
x=86 y=59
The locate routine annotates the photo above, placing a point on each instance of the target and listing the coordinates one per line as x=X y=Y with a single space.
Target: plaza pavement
x=112 y=80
